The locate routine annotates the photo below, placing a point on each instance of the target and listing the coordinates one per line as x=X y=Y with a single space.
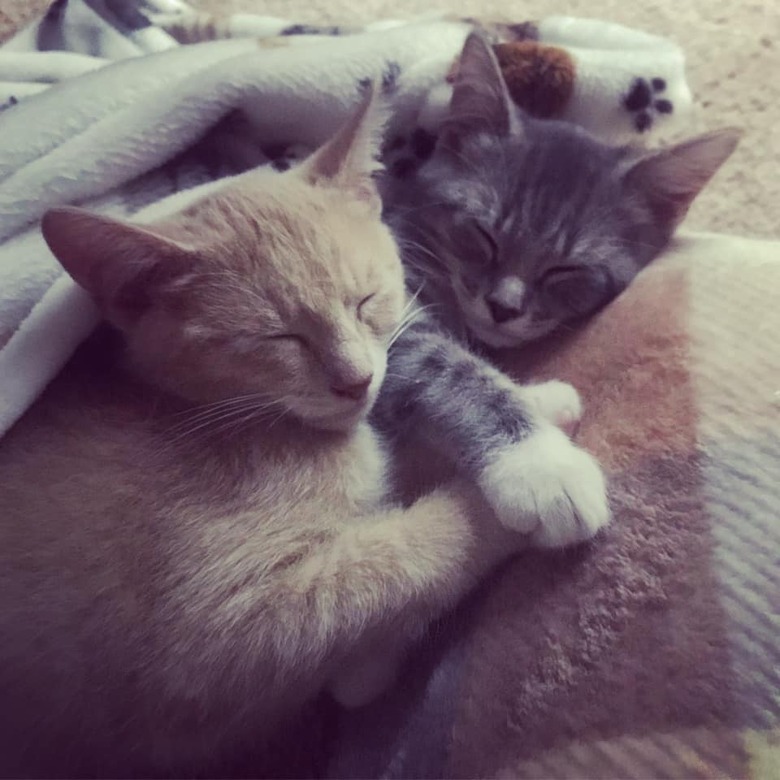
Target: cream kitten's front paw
x=557 y=402
x=546 y=487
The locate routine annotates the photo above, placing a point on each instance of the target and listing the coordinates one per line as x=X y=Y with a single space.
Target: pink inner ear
x=672 y=178
x=479 y=97
x=122 y=265
x=74 y=237
x=365 y=190
x=350 y=158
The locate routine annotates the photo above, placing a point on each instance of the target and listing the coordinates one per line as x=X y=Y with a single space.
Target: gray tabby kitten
x=511 y=228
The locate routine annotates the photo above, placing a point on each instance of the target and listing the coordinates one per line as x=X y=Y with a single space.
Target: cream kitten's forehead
x=296 y=247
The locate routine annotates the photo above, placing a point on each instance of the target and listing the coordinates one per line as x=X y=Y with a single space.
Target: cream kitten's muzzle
x=344 y=402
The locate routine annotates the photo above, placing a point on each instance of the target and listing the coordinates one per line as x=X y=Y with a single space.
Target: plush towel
x=122 y=130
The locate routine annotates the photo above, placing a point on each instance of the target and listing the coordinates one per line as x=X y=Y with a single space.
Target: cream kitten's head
x=284 y=288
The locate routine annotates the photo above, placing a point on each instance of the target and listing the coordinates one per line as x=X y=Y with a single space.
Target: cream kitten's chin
x=336 y=420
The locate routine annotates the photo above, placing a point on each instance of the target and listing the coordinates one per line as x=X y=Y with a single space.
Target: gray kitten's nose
x=500 y=312
x=506 y=299
x=354 y=390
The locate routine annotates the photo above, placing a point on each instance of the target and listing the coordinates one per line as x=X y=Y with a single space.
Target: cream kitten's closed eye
x=363 y=304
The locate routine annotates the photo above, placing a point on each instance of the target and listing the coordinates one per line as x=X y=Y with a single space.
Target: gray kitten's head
x=535 y=223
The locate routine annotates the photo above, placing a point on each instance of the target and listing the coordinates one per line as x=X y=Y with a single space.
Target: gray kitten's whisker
x=411 y=303
x=465 y=161
x=413 y=316
x=399 y=332
x=418 y=247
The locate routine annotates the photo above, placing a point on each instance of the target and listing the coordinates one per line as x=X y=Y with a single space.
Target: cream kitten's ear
x=350 y=158
x=123 y=266
x=480 y=101
x=670 y=179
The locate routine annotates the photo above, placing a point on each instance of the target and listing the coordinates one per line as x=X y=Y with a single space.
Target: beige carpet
x=733 y=49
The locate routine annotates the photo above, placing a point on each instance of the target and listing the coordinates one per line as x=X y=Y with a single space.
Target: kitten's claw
x=547 y=488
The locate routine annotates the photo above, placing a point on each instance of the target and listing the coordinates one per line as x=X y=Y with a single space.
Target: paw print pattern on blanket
x=642 y=101
x=389 y=79
x=282 y=157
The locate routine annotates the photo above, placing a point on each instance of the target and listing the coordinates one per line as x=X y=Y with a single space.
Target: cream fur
x=196 y=535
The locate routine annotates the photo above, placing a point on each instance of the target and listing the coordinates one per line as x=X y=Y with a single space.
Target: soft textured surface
x=653 y=653
x=733 y=51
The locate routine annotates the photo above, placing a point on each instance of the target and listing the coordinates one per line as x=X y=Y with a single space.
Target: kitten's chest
x=349 y=475
x=365 y=477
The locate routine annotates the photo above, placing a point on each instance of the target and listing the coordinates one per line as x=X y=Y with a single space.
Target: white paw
x=557 y=402
x=546 y=487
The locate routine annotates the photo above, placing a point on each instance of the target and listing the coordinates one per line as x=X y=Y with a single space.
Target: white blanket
x=122 y=131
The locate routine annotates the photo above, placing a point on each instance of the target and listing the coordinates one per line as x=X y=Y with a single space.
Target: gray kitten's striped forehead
x=551 y=197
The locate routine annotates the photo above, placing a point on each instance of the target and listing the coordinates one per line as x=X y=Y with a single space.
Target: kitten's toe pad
x=548 y=488
x=557 y=402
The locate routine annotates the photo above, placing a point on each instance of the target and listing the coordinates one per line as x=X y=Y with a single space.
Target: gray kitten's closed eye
x=575 y=291
x=485 y=244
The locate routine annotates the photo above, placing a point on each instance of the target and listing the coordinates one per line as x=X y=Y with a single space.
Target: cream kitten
x=168 y=593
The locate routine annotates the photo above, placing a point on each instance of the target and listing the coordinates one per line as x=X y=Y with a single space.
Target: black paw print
x=389 y=82
x=641 y=101
x=390 y=78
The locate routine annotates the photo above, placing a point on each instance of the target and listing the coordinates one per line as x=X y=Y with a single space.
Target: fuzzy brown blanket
x=654 y=651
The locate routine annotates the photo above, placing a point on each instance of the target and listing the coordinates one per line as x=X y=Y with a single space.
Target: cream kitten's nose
x=354 y=390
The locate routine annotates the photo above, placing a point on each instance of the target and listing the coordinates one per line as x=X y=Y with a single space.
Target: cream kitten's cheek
x=385 y=314
x=379 y=361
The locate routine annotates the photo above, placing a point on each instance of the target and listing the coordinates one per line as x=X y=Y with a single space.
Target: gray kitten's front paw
x=547 y=488
x=555 y=401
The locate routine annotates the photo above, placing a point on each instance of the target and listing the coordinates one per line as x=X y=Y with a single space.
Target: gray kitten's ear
x=670 y=179
x=480 y=101
x=349 y=160
x=124 y=267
